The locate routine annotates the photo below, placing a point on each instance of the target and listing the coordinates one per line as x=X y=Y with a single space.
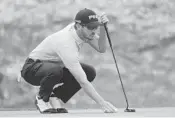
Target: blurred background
x=143 y=37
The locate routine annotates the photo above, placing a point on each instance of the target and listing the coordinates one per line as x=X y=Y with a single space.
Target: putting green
x=140 y=112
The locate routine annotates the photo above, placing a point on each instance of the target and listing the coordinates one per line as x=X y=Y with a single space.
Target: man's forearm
x=81 y=78
x=90 y=90
x=102 y=42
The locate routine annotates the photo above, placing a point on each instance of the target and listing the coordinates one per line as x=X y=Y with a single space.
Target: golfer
x=54 y=64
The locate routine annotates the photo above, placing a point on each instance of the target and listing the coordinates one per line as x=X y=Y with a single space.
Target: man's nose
x=94 y=30
x=93 y=33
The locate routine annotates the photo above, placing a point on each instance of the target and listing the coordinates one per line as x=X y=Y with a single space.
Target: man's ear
x=78 y=26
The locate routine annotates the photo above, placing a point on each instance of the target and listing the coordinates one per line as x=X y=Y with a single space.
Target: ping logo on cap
x=93 y=17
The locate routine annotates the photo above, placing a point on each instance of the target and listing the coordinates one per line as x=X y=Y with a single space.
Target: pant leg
x=51 y=74
x=44 y=74
x=71 y=86
x=28 y=71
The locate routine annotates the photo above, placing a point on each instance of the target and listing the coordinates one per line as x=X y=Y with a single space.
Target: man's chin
x=89 y=38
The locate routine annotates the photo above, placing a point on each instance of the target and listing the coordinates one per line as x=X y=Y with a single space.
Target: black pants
x=47 y=74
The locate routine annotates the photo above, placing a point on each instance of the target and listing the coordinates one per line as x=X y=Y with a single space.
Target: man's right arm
x=69 y=56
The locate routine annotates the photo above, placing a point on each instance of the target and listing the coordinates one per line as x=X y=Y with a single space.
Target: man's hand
x=108 y=107
x=103 y=18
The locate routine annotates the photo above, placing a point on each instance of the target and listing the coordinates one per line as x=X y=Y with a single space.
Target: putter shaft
x=110 y=43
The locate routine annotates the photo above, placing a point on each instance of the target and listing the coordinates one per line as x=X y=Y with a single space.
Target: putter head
x=130 y=110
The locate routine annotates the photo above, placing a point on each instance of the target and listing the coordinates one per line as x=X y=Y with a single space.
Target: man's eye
x=90 y=28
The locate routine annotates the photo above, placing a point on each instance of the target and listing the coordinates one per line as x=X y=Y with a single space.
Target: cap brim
x=94 y=24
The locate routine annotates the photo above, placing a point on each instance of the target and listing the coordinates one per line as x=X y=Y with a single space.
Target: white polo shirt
x=63 y=46
x=56 y=45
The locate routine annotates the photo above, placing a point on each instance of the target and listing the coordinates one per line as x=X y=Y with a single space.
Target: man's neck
x=80 y=34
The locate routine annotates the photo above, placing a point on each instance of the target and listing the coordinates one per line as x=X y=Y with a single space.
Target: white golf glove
x=103 y=18
x=109 y=108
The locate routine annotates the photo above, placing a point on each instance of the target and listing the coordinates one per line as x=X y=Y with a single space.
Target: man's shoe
x=56 y=104
x=44 y=107
x=62 y=110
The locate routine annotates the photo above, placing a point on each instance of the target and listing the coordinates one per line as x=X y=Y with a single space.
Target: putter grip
x=106 y=28
x=107 y=33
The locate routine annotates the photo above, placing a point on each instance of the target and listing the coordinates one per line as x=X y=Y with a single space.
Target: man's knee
x=90 y=72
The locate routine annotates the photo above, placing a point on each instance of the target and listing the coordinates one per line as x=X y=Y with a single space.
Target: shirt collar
x=75 y=35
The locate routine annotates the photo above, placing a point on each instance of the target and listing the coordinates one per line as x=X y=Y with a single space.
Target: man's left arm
x=99 y=42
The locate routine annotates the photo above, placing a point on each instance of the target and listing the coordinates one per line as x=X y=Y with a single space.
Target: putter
x=110 y=43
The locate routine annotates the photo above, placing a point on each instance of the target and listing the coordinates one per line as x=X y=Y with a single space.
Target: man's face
x=89 y=32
